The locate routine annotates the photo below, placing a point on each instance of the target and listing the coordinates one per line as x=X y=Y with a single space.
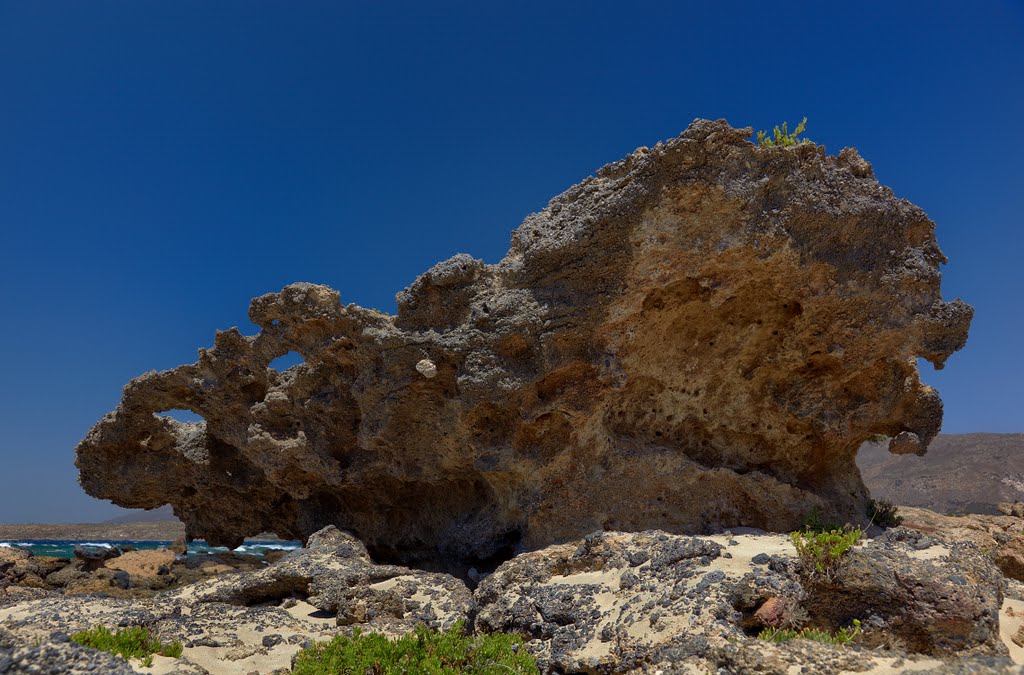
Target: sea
x=66 y=549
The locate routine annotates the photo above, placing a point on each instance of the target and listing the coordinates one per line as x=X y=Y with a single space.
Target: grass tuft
x=781 y=138
x=424 y=651
x=840 y=637
x=131 y=643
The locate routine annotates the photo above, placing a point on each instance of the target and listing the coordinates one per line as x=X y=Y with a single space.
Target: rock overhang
x=699 y=336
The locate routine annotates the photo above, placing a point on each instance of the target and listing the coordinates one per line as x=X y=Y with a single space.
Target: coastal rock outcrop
x=700 y=336
x=609 y=603
x=618 y=602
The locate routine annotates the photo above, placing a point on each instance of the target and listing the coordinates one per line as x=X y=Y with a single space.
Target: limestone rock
x=334 y=574
x=938 y=599
x=151 y=569
x=609 y=603
x=642 y=602
x=257 y=619
x=700 y=336
x=1001 y=536
x=56 y=654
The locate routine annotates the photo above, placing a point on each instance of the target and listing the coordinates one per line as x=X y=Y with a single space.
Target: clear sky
x=161 y=163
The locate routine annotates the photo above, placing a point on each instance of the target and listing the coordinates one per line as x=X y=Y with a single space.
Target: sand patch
x=1011 y=619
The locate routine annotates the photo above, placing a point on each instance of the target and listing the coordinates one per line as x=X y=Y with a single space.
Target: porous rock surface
x=611 y=602
x=1002 y=537
x=653 y=601
x=253 y=620
x=56 y=654
x=699 y=336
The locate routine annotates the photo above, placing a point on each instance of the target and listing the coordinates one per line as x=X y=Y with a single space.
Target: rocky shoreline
x=939 y=594
x=111 y=532
x=158 y=531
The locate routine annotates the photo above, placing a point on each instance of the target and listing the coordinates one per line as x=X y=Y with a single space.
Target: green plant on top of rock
x=424 y=651
x=822 y=552
x=135 y=642
x=884 y=514
x=840 y=637
x=781 y=138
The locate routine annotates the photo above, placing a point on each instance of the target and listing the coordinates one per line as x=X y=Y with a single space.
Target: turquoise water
x=66 y=549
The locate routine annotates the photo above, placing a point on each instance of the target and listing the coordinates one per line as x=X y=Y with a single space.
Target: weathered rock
x=93 y=558
x=701 y=336
x=334 y=574
x=56 y=654
x=1002 y=537
x=939 y=600
x=151 y=569
x=256 y=620
x=610 y=603
x=617 y=603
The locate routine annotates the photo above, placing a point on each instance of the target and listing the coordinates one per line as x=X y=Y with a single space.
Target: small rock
x=426 y=368
x=270 y=641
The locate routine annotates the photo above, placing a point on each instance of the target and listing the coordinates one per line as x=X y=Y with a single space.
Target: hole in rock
x=272 y=593
x=283 y=363
x=180 y=415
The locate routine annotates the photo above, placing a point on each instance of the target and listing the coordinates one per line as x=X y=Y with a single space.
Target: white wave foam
x=96 y=544
x=4 y=544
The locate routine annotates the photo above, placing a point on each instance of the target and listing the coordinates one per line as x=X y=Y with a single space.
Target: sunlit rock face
x=701 y=336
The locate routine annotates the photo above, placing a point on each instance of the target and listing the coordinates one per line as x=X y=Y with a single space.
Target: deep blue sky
x=161 y=163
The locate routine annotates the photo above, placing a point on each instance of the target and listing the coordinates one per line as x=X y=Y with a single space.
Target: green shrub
x=840 y=637
x=781 y=138
x=822 y=552
x=884 y=514
x=131 y=643
x=877 y=438
x=424 y=651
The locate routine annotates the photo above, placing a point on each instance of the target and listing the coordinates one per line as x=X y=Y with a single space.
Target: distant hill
x=163 y=514
x=962 y=473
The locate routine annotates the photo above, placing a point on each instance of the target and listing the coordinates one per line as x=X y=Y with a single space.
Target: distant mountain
x=962 y=473
x=163 y=514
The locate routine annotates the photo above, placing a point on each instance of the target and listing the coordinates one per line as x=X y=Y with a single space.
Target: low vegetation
x=884 y=514
x=131 y=643
x=821 y=553
x=424 y=651
x=781 y=138
x=840 y=637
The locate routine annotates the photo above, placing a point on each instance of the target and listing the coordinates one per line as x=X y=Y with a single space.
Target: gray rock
x=56 y=657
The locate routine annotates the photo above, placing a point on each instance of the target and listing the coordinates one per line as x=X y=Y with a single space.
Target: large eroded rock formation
x=702 y=335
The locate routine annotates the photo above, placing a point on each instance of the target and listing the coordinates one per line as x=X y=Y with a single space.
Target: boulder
x=151 y=569
x=12 y=561
x=935 y=599
x=56 y=654
x=1002 y=537
x=699 y=336
x=94 y=557
x=335 y=574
